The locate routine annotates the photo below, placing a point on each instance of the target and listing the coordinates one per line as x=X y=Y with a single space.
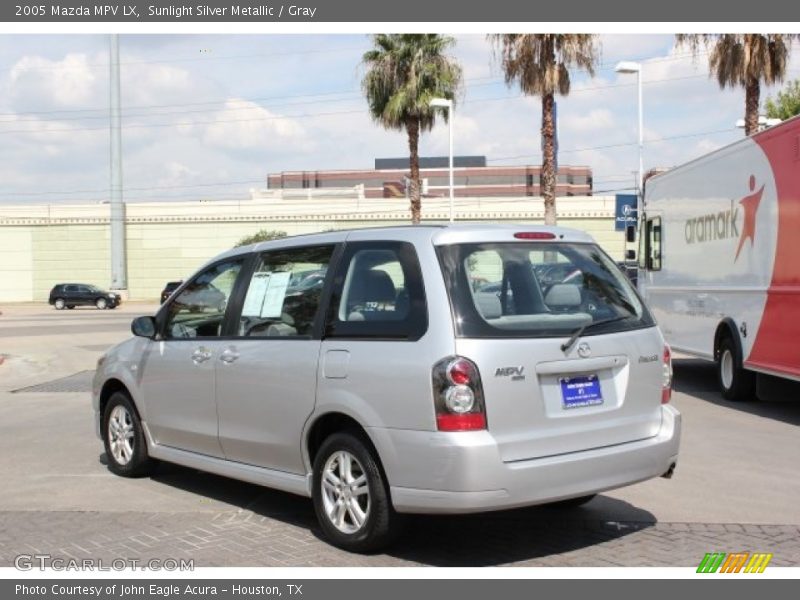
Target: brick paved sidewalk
x=528 y=537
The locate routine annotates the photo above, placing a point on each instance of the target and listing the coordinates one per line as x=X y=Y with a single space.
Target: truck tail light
x=458 y=395
x=666 y=381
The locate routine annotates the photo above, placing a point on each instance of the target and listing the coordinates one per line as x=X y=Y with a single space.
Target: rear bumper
x=437 y=472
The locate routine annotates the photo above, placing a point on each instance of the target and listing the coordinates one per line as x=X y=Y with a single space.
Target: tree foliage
x=541 y=64
x=786 y=104
x=262 y=235
x=404 y=73
x=744 y=60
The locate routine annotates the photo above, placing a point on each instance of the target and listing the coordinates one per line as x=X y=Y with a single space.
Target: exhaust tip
x=669 y=472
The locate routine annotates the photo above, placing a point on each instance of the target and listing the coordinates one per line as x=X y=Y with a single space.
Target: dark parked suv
x=168 y=289
x=70 y=295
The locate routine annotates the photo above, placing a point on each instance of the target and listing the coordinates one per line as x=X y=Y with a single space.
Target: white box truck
x=719 y=257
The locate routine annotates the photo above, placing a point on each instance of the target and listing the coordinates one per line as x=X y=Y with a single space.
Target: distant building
x=472 y=177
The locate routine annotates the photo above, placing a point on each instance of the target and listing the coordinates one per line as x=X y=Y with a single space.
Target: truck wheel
x=59 y=304
x=350 y=495
x=735 y=382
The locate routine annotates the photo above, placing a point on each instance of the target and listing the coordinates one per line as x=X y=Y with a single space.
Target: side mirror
x=144 y=327
x=630 y=233
x=630 y=255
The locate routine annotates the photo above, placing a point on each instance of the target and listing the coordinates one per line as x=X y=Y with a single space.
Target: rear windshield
x=538 y=289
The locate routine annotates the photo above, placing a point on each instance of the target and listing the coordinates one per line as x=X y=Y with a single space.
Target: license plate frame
x=580 y=391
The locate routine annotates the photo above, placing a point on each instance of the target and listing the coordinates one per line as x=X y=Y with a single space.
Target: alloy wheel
x=121 y=435
x=345 y=492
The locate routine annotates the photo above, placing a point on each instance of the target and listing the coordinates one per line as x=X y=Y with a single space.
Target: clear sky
x=208 y=116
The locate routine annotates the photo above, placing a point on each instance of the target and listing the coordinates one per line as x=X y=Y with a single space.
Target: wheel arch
x=111 y=386
x=727 y=328
x=325 y=424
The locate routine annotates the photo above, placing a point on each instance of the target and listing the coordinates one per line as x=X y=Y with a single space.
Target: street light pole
x=448 y=104
x=640 y=184
x=119 y=275
x=634 y=67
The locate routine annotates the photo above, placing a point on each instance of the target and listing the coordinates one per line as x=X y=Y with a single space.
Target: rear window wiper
x=566 y=346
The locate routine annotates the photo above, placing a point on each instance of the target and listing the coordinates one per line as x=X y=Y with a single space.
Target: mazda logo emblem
x=584 y=351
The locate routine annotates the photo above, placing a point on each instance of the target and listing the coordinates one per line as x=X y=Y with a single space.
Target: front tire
x=351 y=498
x=101 y=303
x=59 y=304
x=123 y=438
x=735 y=382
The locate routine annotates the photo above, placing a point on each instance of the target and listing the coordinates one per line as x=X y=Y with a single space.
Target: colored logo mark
x=750 y=205
x=737 y=562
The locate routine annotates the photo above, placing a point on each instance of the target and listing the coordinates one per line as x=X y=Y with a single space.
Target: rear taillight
x=666 y=378
x=458 y=395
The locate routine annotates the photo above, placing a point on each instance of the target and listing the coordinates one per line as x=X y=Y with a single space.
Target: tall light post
x=629 y=67
x=119 y=274
x=448 y=104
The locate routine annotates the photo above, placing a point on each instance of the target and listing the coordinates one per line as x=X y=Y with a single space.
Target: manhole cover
x=79 y=382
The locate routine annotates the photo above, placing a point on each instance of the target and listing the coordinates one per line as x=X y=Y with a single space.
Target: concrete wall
x=16 y=263
x=41 y=246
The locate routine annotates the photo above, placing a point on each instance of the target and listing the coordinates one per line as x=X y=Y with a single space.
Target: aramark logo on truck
x=724 y=224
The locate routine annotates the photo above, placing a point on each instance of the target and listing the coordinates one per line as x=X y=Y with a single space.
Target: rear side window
x=538 y=289
x=378 y=293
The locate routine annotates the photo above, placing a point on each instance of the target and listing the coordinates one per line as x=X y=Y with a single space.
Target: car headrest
x=372 y=286
x=488 y=305
x=563 y=295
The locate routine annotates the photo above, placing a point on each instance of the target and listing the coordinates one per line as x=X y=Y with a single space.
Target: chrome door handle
x=201 y=355
x=229 y=355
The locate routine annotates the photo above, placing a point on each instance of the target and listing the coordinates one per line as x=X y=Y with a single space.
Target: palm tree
x=541 y=63
x=404 y=73
x=746 y=60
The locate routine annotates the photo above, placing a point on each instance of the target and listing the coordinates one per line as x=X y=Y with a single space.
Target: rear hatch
x=569 y=357
x=541 y=402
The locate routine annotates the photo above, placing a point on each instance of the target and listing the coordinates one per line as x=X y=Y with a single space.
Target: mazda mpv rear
x=396 y=385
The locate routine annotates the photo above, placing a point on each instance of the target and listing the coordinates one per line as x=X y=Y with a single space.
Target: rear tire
x=735 y=382
x=59 y=303
x=572 y=502
x=101 y=303
x=351 y=497
x=123 y=438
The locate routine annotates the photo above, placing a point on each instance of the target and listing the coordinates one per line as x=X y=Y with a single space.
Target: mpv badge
x=584 y=351
x=514 y=372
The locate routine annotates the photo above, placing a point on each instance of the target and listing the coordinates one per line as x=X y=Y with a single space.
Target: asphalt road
x=736 y=486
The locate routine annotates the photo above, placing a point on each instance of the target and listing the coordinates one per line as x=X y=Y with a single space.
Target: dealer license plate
x=580 y=391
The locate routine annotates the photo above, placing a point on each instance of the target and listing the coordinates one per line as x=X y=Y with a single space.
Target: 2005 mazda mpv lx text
x=399 y=380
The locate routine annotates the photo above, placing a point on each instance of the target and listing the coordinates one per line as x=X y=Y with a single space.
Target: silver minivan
x=427 y=369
